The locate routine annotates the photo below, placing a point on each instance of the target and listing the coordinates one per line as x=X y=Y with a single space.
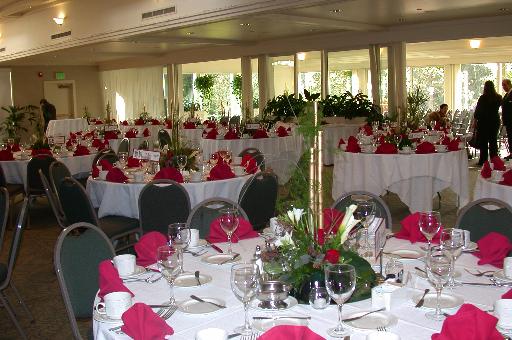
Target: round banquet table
x=415 y=178
x=122 y=199
x=485 y=188
x=331 y=137
x=412 y=323
x=281 y=153
x=62 y=127
x=134 y=143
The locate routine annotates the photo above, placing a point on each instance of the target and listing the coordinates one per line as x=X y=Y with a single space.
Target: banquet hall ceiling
x=328 y=17
x=12 y=9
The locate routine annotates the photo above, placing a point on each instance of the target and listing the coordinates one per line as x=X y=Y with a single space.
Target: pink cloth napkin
x=341 y=142
x=109 y=280
x=212 y=134
x=283 y=332
x=221 y=171
x=168 y=124
x=131 y=134
x=146 y=132
x=116 y=175
x=453 y=145
x=14 y=148
x=147 y=246
x=141 y=323
x=6 y=155
x=281 y=131
x=133 y=162
x=124 y=122
x=249 y=163
x=106 y=165
x=169 y=173
x=95 y=172
x=498 y=163
x=425 y=147
x=386 y=148
x=98 y=122
x=492 y=249
x=111 y=135
x=189 y=125
x=231 y=135
x=36 y=152
x=469 y=323
x=507 y=178
x=244 y=231
x=81 y=151
x=486 y=170
x=139 y=121
x=98 y=143
x=445 y=141
x=367 y=129
x=155 y=122
x=411 y=231
x=332 y=219
x=260 y=133
x=352 y=145
x=507 y=295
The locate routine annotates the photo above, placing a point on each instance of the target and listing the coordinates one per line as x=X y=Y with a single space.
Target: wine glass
x=365 y=212
x=439 y=270
x=340 y=281
x=244 y=284
x=168 y=263
x=452 y=240
x=123 y=158
x=182 y=161
x=397 y=138
x=229 y=222
x=429 y=223
x=214 y=158
x=179 y=237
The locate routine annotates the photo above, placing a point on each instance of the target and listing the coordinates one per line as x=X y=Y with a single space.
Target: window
x=430 y=80
x=309 y=66
x=473 y=78
x=282 y=68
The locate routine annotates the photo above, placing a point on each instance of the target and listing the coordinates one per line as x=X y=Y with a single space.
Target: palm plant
x=13 y=123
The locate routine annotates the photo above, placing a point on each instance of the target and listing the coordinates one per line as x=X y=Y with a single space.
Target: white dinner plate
x=500 y=276
x=406 y=254
x=104 y=318
x=200 y=244
x=402 y=152
x=471 y=246
x=456 y=275
x=265 y=325
x=445 y=301
x=372 y=321
x=187 y=280
x=195 y=307
x=290 y=301
x=220 y=259
x=139 y=270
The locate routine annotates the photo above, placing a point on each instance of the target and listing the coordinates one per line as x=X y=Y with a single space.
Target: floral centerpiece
x=172 y=147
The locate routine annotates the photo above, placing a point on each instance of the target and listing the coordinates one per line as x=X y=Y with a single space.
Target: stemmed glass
x=182 y=161
x=123 y=158
x=439 y=270
x=452 y=241
x=429 y=224
x=229 y=222
x=179 y=237
x=340 y=281
x=397 y=138
x=244 y=284
x=214 y=158
x=168 y=263
x=365 y=212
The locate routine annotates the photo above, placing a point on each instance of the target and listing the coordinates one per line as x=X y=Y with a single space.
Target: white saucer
x=104 y=318
x=220 y=259
x=290 y=301
x=406 y=254
x=188 y=280
x=265 y=325
x=500 y=276
x=195 y=307
x=372 y=321
x=139 y=270
x=445 y=301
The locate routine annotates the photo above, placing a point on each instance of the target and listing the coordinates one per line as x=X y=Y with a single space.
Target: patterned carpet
x=36 y=281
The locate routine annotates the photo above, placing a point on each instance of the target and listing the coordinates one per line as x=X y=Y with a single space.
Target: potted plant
x=416 y=107
x=349 y=108
x=13 y=123
x=204 y=84
x=284 y=106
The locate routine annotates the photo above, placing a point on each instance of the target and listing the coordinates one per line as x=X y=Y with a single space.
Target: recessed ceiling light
x=474 y=43
x=504 y=9
x=419 y=9
x=245 y=24
x=336 y=10
x=190 y=33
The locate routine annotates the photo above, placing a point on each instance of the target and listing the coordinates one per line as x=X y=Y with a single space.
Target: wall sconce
x=474 y=43
x=59 y=20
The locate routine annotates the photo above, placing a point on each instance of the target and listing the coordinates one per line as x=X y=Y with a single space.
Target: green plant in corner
x=16 y=115
x=236 y=87
x=204 y=84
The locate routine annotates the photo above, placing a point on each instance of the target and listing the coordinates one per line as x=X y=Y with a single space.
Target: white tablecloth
x=134 y=143
x=485 y=188
x=153 y=130
x=122 y=199
x=192 y=136
x=281 y=153
x=412 y=323
x=414 y=178
x=62 y=127
x=331 y=137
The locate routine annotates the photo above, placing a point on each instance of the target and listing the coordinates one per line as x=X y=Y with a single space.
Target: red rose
x=320 y=236
x=332 y=256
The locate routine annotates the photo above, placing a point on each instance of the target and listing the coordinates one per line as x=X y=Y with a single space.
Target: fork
x=381 y=329
x=169 y=312
x=199 y=253
x=117 y=329
x=479 y=273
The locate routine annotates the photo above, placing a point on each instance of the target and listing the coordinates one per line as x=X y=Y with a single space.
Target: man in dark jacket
x=506 y=111
x=49 y=112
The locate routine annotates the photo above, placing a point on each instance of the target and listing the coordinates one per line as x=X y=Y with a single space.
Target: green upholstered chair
x=57 y=172
x=34 y=185
x=163 y=138
x=101 y=153
x=13 y=190
x=124 y=146
x=258 y=199
x=382 y=209
x=110 y=157
x=53 y=199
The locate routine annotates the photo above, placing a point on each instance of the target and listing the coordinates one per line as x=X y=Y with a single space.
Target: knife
x=204 y=301
x=215 y=247
x=281 y=317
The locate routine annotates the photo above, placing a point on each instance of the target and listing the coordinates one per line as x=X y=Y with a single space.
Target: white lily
x=348 y=223
x=284 y=240
x=295 y=214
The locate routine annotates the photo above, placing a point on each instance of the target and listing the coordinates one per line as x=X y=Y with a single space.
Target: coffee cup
x=467 y=237
x=507 y=267
x=239 y=170
x=195 y=176
x=211 y=334
x=125 y=264
x=103 y=174
x=138 y=176
x=194 y=238
x=503 y=311
x=114 y=304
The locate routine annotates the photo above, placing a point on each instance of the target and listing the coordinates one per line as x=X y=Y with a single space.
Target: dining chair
x=124 y=146
x=6 y=270
x=101 y=153
x=381 y=208
x=256 y=154
x=485 y=215
x=54 y=201
x=258 y=199
x=34 y=185
x=164 y=138
x=208 y=210
x=13 y=190
x=58 y=171
x=111 y=158
x=77 y=207
x=76 y=266
x=162 y=202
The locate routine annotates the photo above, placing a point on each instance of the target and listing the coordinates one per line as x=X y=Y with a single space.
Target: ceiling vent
x=159 y=12
x=61 y=35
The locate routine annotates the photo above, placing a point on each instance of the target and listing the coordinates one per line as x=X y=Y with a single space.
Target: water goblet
x=452 y=241
x=340 y=281
x=181 y=160
x=397 y=139
x=429 y=223
x=123 y=158
x=244 y=284
x=229 y=222
x=168 y=264
x=365 y=212
x=179 y=237
x=439 y=270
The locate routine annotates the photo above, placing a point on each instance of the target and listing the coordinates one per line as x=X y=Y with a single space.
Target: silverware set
x=149 y=279
x=363 y=315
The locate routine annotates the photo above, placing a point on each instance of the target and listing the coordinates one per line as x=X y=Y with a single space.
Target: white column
x=247 y=108
x=457 y=86
x=374 y=51
x=391 y=82
x=397 y=79
x=265 y=80
x=296 y=75
x=324 y=73
x=449 y=86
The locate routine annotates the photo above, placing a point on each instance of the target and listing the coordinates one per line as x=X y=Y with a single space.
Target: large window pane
x=282 y=68
x=430 y=80
x=473 y=78
x=309 y=72
x=348 y=71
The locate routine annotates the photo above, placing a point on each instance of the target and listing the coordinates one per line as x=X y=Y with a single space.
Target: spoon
x=422 y=300
x=196 y=274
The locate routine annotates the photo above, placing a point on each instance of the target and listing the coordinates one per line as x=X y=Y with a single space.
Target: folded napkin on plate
x=6 y=155
x=507 y=178
x=249 y=163
x=290 y=332
x=221 y=171
x=231 y=134
x=133 y=162
x=168 y=124
x=146 y=132
x=146 y=247
x=131 y=134
x=169 y=173
x=453 y=145
x=155 y=122
x=212 y=134
x=260 y=133
x=124 y=122
x=498 y=164
x=139 y=121
x=109 y=280
x=106 y=165
x=492 y=249
x=210 y=125
x=141 y=323
x=116 y=175
x=469 y=323
x=445 y=140
x=243 y=231
x=386 y=148
x=111 y=135
x=95 y=171
x=367 y=129
x=98 y=122
x=189 y=125
x=13 y=148
x=507 y=295
x=352 y=145
x=486 y=170
x=72 y=135
x=341 y=142
x=281 y=131
x=36 y=152
x=97 y=143
x=332 y=219
x=425 y=147
x=81 y=151
x=411 y=231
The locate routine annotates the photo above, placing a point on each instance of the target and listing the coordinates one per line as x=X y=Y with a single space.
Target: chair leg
x=22 y=303
x=439 y=195
x=12 y=315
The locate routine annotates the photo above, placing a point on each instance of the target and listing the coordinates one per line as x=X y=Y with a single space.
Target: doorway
x=62 y=94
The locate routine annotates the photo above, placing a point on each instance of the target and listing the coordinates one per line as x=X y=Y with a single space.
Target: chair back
x=75 y=203
x=256 y=154
x=101 y=153
x=208 y=210
x=162 y=202
x=15 y=244
x=34 y=185
x=258 y=199
x=58 y=171
x=235 y=120
x=79 y=250
x=4 y=213
x=163 y=138
x=124 y=146
x=110 y=157
x=3 y=182
x=144 y=145
x=381 y=208
x=485 y=215
x=53 y=199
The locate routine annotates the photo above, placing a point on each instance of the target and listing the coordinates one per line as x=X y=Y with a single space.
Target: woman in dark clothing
x=487 y=122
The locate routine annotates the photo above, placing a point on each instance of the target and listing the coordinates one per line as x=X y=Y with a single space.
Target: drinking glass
x=429 y=223
x=439 y=270
x=168 y=263
x=123 y=158
x=229 y=222
x=340 y=281
x=397 y=138
x=244 y=284
x=452 y=241
x=179 y=237
x=182 y=161
x=365 y=212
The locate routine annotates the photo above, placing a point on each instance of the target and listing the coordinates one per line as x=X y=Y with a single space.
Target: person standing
x=506 y=112
x=487 y=121
x=49 y=112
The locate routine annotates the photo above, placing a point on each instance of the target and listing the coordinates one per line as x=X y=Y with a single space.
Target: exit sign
x=60 y=76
